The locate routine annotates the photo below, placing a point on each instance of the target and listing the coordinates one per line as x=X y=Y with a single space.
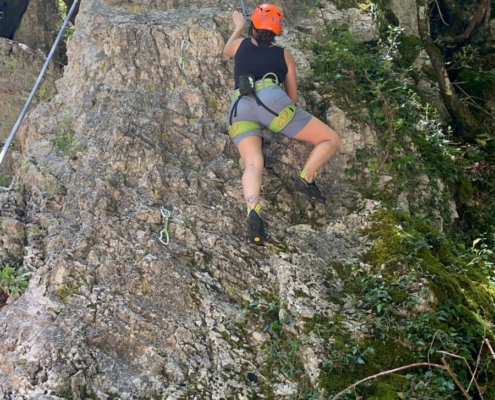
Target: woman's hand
x=239 y=21
x=235 y=39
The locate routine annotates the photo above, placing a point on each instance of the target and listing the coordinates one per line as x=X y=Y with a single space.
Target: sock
x=303 y=173
x=257 y=209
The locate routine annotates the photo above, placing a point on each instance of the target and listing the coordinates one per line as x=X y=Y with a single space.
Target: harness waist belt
x=258 y=85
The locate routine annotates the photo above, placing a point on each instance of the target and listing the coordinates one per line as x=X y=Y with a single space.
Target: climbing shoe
x=256 y=228
x=309 y=189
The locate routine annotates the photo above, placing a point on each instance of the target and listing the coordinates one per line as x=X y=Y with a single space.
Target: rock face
x=406 y=13
x=139 y=123
x=39 y=26
x=20 y=67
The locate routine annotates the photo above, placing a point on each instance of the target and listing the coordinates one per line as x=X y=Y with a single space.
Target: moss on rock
x=465 y=189
x=409 y=49
x=455 y=316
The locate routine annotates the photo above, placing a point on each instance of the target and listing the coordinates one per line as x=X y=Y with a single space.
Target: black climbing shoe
x=256 y=229
x=309 y=189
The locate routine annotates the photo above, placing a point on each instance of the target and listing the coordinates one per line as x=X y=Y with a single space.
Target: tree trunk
x=486 y=22
x=467 y=125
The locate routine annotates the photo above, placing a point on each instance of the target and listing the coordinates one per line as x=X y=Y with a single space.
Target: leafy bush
x=453 y=260
x=415 y=153
x=12 y=283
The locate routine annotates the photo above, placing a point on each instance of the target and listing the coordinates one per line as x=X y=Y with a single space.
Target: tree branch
x=477 y=17
x=468 y=125
x=459 y=385
x=391 y=371
x=490 y=347
x=440 y=13
x=486 y=23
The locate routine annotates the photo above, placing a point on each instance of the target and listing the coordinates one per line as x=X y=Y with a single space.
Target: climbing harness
x=247 y=85
x=278 y=123
x=250 y=88
x=164 y=232
x=38 y=82
x=282 y=119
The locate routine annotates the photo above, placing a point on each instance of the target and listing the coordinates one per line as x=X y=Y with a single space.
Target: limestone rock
x=139 y=123
x=407 y=15
x=39 y=26
x=20 y=67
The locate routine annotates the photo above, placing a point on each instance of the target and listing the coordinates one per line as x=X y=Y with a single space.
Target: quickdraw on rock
x=184 y=45
x=164 y=237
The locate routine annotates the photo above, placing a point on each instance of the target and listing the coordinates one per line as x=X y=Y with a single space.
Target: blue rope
x=36 y=85
x=244 y=12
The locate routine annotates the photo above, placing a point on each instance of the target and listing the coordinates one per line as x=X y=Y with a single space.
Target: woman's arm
x=235 y=39
x=290 y=82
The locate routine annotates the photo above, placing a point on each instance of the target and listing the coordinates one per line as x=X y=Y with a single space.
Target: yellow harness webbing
x=242 y=126
x=277 y=124
x=284 y=117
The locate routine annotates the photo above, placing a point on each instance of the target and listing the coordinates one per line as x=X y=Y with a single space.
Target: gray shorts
x=276 y=99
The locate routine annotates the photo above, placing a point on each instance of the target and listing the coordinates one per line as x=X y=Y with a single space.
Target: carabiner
x=164 y=232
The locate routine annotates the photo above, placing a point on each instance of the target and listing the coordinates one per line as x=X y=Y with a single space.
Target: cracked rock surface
x=139 y=123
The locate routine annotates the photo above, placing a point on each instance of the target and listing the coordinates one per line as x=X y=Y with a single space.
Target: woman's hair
x=263 y=36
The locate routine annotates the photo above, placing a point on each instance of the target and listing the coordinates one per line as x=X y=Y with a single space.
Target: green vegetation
x=5 y=180
x=9 y=114
x=417 y=298
x=71 y=392
x=425 y=293
x=67 y=289
x=418 y=155
x=11 y=282
x=69 y=31
x=281 y=361
x=66 y=141
x=62 y=7
x=362 y=78
x=422 y=302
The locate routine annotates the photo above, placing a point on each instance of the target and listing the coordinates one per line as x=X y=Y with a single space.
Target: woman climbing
x=260 y=102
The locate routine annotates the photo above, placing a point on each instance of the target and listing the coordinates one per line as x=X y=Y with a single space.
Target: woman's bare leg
x=251 y=153
x=326 y=142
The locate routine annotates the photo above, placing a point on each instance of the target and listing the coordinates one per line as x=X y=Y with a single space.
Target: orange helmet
x=269 y=17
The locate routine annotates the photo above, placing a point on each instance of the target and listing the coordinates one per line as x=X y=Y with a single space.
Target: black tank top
x=256 y=60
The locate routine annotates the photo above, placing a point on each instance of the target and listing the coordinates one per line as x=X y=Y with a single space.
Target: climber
x=260 y=102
